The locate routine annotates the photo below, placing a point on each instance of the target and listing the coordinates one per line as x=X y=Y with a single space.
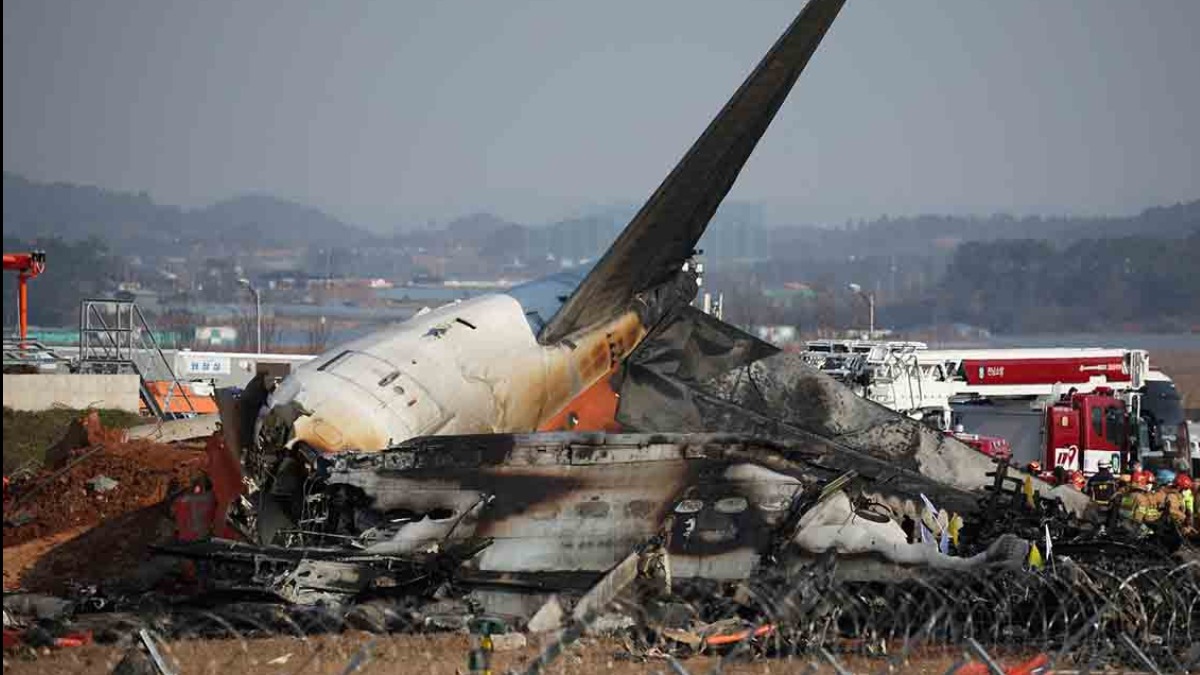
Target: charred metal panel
x=691 y=346
x=566 y=503
x=572 y=503
x=782 y=397
x=653 y=399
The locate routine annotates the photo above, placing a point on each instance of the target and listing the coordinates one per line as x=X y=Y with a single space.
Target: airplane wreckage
x=528 y=442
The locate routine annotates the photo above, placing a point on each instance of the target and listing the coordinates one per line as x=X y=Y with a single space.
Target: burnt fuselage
x=580 y=502
x=565 y=502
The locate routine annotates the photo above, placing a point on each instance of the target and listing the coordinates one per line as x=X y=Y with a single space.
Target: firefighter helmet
x=1183 y=481
x=1165 y=477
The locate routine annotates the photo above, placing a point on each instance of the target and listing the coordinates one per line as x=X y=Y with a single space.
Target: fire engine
x=1064 y=407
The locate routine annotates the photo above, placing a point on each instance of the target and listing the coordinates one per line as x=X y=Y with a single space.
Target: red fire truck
x=1085 y=430
x=992 y=446
x=1063 y=407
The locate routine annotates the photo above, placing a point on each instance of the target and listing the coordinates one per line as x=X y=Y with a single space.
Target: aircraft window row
x=731 y=505
x=593 y=509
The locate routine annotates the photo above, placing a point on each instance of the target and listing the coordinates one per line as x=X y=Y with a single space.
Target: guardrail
x=31 y=353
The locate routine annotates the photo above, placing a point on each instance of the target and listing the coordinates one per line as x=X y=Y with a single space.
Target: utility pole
x=257 y=314
x=870 y=298
x=871 y=311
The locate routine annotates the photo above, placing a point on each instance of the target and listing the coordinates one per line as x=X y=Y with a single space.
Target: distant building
x=285 y=280
x=216 y=336
x=777 y=334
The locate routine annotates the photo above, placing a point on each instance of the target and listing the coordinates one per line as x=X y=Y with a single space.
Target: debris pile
x=94 y=509
x=96 y=483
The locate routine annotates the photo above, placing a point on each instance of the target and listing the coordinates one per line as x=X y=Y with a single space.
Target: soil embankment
x=92 y=511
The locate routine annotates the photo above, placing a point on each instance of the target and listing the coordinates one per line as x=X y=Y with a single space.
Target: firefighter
x=1061 y=477
x=1127 y=501
x=1102 y=487
x=1187 y=488
x=1179 y=502
x=1145 y=508
x=1140 y=476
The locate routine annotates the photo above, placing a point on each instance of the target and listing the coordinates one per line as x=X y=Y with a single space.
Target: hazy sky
x=535 y=109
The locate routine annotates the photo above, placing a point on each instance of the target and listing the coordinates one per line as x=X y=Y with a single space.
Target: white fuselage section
x=470 y=367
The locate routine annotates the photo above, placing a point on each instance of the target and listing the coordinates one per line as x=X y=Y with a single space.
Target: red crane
x=27 y=266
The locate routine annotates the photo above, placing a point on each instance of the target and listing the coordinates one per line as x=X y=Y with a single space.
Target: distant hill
x=475 y=227
x=135 y=223
x=739 y=232
x=278 y=220
x=923 y=234
x=76 y=212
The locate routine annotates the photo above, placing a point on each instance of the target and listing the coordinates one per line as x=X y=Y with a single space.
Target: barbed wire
x=1081 y=616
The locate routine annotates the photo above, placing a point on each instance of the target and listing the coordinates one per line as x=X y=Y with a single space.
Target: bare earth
x=21 y=558
x=442 y=654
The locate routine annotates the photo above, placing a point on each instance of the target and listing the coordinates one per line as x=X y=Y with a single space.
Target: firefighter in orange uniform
x=1145 y=507
x=1140 y=476
x=1179 y=503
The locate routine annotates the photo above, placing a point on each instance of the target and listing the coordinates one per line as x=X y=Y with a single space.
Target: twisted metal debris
x=1084 y=615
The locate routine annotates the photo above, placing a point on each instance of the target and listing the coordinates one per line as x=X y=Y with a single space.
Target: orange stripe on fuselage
x=579 y=384
x=595 y=409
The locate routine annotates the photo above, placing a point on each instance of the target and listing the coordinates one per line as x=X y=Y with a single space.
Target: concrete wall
x=42 y=392
x=224 y=369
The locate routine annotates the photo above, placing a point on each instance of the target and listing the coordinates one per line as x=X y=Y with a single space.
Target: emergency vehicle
x=1063 y=407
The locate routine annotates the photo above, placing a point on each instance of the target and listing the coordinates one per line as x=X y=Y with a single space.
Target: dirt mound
x=28 y=435
x=53 y=501
x=112 y=555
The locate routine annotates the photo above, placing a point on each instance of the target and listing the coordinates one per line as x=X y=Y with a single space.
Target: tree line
x=1134 y=282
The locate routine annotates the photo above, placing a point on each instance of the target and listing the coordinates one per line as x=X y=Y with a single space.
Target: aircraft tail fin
x=664 y=233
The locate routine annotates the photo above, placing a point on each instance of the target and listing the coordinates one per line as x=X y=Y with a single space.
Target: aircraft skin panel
x=579 y=502
x=471 y=367
x=370 y=409
x=664 y=233
x=594 y=409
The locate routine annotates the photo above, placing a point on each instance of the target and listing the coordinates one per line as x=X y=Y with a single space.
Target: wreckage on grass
x=513 y=518
x=423 y=436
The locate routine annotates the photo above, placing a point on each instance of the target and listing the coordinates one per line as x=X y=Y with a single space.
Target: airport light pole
x=870 y=298
x=257 y=313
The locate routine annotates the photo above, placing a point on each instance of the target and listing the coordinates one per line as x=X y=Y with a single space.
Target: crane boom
x=27 y=266
x=911 y=378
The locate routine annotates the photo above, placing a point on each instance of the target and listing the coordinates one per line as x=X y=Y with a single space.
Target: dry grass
x=27 y=435
x=1184 y=368
x=444 y=654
